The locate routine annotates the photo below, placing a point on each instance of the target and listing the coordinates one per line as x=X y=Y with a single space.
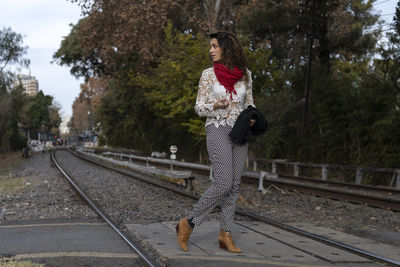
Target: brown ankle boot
x=183 y=230
x=226 y=242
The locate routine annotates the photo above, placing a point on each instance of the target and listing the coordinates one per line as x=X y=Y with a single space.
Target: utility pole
x=308 y=74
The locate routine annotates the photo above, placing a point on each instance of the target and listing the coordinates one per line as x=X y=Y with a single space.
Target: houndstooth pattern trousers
x=228 y=160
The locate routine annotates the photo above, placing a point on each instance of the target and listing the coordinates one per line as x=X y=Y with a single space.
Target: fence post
x=273 y=167
x=261 y=182
x=255 y=166
x=359 y=176
x=324 y=171
x=296 y=169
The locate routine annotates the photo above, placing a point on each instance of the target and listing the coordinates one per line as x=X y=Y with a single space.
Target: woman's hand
x=252 y=122
x=221 y=104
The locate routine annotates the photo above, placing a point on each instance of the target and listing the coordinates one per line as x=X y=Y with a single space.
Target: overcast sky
x=44 y=24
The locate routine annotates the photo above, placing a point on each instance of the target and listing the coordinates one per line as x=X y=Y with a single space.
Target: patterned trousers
x=228 y=160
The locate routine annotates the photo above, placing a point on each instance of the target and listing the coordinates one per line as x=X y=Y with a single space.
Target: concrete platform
x=389 y=251
x=274 y=248
x=66 y=244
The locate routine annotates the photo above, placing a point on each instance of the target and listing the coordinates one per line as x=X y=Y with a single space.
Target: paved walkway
x=69 y=243
x=93 y=243
x=275 y=248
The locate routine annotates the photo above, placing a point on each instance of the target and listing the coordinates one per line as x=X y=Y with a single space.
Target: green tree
x=72 y=52
x=388 y=69
x=38 y=115
x=341 y=36
x=10 y=116
x=11 y=100
x=153 y=67
x=11 y=52
x=382 y=146
x=338 y=28
x=171 y=87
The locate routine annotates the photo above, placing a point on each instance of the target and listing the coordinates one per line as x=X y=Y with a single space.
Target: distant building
x=29 y=83
x=64 y=124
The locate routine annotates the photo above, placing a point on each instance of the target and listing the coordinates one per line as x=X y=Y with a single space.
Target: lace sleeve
x=202 y=106
x=249 y=92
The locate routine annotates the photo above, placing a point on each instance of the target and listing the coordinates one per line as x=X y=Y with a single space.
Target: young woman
x=224 y=91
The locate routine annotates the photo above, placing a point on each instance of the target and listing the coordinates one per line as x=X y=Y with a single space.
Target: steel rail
x=353 y=197
x=333 y=243
x=340 y=245
x=382 y=202
x=387 y=190
x=149 y=261
x=251 y=175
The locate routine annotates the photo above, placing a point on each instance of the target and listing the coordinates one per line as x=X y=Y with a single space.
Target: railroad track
x=343 y=246
x=378 y=197
x=342 y=194
x=386 y=191
x=131 y=244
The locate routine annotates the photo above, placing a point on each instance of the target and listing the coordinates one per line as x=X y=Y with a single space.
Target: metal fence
x=388 y=177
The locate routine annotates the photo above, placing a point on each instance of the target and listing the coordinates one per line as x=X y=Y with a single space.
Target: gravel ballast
x=126 y=200
x=45 y=194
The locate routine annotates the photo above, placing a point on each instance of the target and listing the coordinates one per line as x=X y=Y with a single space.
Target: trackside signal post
x=173 y=150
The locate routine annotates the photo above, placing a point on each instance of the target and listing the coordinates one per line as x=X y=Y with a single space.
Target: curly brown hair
x=232 y=52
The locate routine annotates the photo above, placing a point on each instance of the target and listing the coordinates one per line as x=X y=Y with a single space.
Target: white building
x=63 y=126
x=29 y=83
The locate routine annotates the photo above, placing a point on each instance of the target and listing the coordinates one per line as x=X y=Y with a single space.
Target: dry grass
x=9 y=161
x=9 y=185
x=13 y=263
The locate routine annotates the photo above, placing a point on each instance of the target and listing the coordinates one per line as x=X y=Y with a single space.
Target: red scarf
x=227 y=78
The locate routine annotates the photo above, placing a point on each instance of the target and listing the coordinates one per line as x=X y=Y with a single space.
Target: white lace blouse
x=210 y=90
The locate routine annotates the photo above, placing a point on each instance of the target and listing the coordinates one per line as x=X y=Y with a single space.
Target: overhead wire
x=378 y=31
x=381 y=2
x=377 y=25
x=387 y=30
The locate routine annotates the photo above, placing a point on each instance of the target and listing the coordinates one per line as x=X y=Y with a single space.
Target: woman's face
x=215 y=50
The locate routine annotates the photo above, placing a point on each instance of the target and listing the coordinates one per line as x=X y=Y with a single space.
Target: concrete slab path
x=262 y=245
x=68 y=243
